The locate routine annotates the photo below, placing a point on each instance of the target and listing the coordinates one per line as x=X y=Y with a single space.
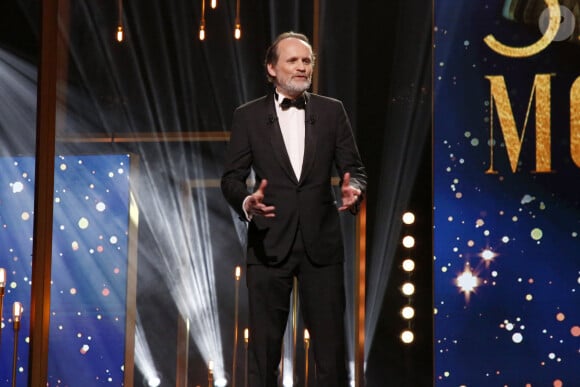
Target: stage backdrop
x=90 y=269
x=506 y=193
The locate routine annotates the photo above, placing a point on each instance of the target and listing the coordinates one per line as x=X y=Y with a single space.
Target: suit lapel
x=276 y=139
x=310 y=137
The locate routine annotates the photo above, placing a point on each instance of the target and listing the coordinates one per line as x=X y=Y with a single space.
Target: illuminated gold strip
x=131 y=292
x=44 y=195
x=359 y=296
x=146 y=137
x=182 y=352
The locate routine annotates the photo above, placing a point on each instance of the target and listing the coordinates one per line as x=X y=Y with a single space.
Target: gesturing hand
x=349 y=193
x=254 y=205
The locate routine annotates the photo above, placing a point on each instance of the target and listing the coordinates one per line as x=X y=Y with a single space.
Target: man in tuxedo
x=294 y=140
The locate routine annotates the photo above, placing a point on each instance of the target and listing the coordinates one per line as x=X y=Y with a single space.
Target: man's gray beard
x=290 y=86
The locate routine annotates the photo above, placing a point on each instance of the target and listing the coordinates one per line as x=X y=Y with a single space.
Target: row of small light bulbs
x=17 y=308
x=237 y=25
x=408 y=288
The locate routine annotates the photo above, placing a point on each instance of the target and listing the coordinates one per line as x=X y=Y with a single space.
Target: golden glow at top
x=213 y=5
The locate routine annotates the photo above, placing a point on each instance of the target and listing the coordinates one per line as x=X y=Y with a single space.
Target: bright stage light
x=120 y=34
x=17 y=311
x=120 y=23
x=467 y=282
x=408 y=265
x=408 y=312
x=408 y=218
x=408 y=241
x=488 y=255
x=181 y=230
x=144 y=358
x=407 y=337
x=238 y=28
x=408 y=289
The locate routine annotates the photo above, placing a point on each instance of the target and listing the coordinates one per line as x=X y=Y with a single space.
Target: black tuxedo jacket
x=309 y=203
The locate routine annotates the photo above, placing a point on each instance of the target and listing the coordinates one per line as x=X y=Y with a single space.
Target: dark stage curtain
x=394 y=121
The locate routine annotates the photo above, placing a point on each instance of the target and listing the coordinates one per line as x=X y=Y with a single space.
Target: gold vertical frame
x=131 y=289
x=43 y=194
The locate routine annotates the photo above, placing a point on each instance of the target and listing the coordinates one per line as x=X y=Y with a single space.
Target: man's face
x=293 y=72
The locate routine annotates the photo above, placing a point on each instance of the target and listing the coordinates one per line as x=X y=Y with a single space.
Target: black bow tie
x=298 y=103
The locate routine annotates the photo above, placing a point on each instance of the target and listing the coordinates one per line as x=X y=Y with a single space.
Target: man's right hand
x=254 y=205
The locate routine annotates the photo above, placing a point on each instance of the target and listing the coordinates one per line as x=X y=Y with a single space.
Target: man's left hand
x=350 y=194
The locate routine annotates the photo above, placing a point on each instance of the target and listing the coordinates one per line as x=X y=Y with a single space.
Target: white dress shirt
x=292 y=125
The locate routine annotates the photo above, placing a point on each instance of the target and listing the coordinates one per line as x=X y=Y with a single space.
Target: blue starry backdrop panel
x=506 y=194
x=89 y=267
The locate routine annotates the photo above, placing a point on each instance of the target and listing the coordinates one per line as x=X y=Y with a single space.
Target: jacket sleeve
x=237 y=166
x=347 y=157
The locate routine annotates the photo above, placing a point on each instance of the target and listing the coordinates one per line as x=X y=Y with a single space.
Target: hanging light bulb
x=202 y=32
x=213 y=4
x=120 y=32
x=202 y=22
x=407 y=336
x=17 y=310
x=238 y=28
x=2 y=278
x=238 y=32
